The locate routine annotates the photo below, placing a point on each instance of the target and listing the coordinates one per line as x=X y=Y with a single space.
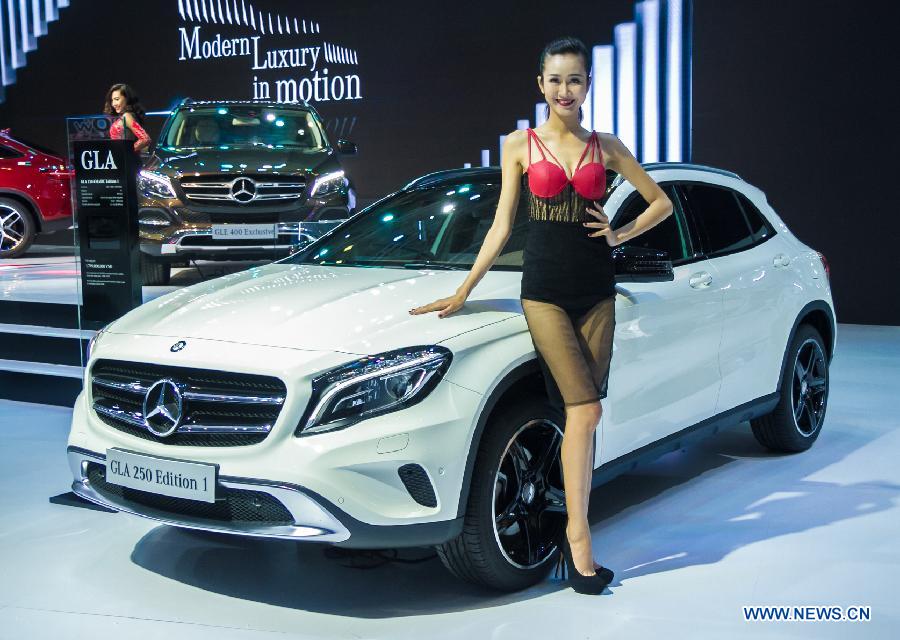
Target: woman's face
x=118 y=101
x=564 y=83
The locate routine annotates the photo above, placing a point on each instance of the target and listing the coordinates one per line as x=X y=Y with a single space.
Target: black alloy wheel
x=528 y=497
x=808 y=387
x=516 y=506
x=797 y=419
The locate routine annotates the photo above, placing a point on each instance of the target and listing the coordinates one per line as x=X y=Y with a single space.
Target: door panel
x=757 y=284
x=664 y=374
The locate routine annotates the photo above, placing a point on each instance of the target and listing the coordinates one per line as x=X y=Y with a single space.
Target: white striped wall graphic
x=641 y=84
x=242 y=13
x=22 y=22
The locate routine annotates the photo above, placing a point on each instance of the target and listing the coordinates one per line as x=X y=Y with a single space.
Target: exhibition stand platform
x=41 y=341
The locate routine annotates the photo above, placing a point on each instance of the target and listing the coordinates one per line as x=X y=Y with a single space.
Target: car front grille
x=243 y=190
x=231 y=505
x=218 y=409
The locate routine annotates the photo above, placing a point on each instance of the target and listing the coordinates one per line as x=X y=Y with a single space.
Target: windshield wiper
x=427 y=264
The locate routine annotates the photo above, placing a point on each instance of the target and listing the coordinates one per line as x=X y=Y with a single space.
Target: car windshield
x=217 y=126
x=436 y=226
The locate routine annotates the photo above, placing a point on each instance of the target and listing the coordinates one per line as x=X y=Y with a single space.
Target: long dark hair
x=566 y=44
x=132 y=102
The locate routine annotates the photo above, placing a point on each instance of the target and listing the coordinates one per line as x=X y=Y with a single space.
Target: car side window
x=761 y=229
x=723 y=227
x=6 y=153
x=669 y=235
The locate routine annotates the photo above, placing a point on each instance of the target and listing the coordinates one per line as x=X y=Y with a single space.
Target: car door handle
x=701 y=280
x=781 y=260
x=24 y=163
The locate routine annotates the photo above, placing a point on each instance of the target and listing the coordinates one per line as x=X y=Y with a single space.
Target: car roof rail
x=272 y=103
x=448 y=175
x=648 y=166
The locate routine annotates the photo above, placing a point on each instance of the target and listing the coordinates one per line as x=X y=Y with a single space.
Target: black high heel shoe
x=578 y=581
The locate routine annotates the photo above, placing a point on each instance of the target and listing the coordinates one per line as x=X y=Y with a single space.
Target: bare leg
x=587 y=480
x=581 y=423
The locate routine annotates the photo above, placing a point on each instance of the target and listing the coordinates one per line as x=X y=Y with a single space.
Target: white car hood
x=349 y=309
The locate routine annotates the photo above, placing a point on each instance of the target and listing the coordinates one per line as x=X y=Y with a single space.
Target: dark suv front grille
x=231 y=505
x=218 y=409
x=263 y=190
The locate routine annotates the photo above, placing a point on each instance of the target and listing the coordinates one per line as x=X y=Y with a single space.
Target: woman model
x=122 y=101
x=568 y=287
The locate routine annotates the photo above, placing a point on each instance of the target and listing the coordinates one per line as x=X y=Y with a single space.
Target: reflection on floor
x=694 y=537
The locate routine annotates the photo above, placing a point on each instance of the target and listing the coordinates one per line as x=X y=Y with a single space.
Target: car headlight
x=155 y=184
x=328 y=183
x=373 y=386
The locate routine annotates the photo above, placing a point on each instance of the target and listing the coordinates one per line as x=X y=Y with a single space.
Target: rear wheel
x=153 y=272
x=17 y=228
x=797 y=419
x=516 y=505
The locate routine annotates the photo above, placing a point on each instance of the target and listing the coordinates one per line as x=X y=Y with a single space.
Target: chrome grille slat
x=135 y=387
x=135 y=419
x=221 y=197
x=191 y=394
x=224 y=428
x=216 y=405
x=278 y=196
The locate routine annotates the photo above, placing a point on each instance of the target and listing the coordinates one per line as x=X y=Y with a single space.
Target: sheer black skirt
x=574 y=348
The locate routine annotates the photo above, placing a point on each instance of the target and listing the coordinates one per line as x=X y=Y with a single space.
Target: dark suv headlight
x=328 y=183
x=373 y=386
x=155 y=184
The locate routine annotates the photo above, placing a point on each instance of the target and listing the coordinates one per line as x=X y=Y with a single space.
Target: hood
x=240 y=159
x=349 y=309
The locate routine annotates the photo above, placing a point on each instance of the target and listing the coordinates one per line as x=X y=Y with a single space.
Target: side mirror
x=347 y=148
x=638 y=264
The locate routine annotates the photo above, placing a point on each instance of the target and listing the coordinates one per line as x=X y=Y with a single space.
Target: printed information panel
x=106 y=207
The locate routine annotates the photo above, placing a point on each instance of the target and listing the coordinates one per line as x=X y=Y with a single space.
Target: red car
x=35 y=188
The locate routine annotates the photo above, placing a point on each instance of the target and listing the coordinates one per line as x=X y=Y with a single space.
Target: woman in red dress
x=568 y=285
x=123 y=102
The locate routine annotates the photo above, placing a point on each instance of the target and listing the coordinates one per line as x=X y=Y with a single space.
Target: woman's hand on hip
x=444 y=306
x=602 y=225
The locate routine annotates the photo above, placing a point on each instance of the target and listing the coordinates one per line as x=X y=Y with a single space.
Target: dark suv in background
x=238 y=180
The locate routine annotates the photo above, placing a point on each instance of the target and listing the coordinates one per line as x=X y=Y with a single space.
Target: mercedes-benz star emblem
x=178 y=346
x=243 y=190
x=163 y=407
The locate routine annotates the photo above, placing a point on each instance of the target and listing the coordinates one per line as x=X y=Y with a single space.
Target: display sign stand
x=105 y=197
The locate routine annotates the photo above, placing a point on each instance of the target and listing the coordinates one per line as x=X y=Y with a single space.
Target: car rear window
x=723 y=226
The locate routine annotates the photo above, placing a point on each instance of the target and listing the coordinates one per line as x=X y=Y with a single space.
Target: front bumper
x=198 y=242
x=311 y=521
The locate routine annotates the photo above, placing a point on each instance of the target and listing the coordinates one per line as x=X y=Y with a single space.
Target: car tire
x=18 y=228
x=797 y=419
x=513 y=516
x=153 y=272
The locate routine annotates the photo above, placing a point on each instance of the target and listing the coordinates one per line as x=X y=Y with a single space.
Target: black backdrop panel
x=787 y=94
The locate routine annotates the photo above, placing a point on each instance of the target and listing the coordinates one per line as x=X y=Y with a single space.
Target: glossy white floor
x=694 y=537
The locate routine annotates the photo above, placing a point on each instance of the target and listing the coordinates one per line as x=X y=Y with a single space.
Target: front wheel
x=516 y=507
x=797 y=419
x=17 y=229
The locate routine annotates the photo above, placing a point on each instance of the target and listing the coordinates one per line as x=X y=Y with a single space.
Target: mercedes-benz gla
x=300 y=400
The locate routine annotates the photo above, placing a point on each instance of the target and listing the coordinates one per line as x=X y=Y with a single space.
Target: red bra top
x=546 y=179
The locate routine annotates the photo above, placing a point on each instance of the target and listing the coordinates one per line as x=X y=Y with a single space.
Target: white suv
x=300 y=400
